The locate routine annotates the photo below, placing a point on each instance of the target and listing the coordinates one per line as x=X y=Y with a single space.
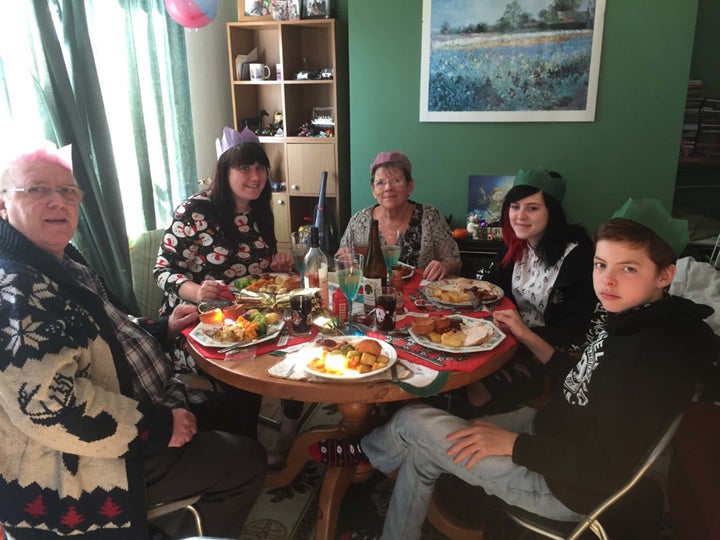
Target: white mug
x=258 y=72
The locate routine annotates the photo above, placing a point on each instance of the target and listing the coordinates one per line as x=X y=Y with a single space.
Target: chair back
x=641 y=469
x=143 y=254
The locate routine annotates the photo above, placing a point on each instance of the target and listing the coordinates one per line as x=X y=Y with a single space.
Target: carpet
x=290 y=512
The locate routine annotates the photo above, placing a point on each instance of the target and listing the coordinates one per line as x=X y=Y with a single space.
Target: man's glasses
x=44 y=194
x=393 y=182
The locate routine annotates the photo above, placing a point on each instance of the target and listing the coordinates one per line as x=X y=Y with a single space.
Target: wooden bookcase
x=296 y=161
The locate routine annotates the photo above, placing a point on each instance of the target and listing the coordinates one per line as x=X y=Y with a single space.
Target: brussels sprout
x=259 y=318
x=243 y=282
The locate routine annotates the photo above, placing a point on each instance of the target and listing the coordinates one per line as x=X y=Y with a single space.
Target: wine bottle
x=324 y=220
x=316 y=267
x=374 y=271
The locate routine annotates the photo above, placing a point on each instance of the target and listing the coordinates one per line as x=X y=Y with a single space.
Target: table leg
x=356 y=421
x=335 y=484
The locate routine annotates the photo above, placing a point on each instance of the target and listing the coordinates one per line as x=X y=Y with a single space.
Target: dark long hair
x=221 y=197
x=558 y=232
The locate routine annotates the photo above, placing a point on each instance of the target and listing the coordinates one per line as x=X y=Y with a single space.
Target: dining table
x=356 y=402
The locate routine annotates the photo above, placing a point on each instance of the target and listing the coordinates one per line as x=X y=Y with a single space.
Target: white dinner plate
x=201 y=335
x=457 y=285
x=306 y=354
x=233 y=288
x=494 y=341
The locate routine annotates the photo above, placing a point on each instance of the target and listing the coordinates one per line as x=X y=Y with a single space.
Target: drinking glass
x=299 y=245
x=391 y=253
x=349 y=268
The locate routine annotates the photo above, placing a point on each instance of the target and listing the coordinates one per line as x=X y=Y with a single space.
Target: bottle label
x=369 y=286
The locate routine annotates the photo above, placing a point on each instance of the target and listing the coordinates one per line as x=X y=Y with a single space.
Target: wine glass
x=391 y=253
x=349 y=268
x=299 y=246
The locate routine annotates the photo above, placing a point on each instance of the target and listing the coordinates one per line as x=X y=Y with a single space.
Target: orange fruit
x=460 y=233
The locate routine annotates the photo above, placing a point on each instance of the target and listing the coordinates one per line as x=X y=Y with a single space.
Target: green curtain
x=68 y=92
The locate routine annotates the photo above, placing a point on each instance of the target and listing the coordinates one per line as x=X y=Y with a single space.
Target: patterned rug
x=290 y=512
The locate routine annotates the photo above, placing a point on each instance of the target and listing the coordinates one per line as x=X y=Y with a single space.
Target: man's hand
x=479 y=440
x=184 y=428
x=182 y=316
x=281 y=262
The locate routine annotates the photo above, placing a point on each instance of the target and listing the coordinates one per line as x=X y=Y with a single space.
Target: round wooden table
x=355 y=402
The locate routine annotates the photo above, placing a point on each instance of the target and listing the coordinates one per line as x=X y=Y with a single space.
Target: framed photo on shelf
x=257 y=10
x=293 y=9
x=316 y=9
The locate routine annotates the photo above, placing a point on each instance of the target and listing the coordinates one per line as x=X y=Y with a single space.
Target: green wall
x=631 y=149
x=706 y=60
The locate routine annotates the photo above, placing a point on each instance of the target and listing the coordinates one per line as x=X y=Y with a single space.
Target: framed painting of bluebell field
x=486 y=193
x=510 y=60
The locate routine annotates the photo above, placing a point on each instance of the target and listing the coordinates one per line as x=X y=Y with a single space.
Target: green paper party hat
x=539 y=178
x=652 y=214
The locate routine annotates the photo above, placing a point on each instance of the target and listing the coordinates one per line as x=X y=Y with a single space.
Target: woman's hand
x=183 y=315
x=211 y=289
x=480 y=440
x=435 y=270
x=281 y=262
x=509 y=321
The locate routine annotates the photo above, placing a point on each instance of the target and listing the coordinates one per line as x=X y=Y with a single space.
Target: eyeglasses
x=44 y=194
x=393 y=182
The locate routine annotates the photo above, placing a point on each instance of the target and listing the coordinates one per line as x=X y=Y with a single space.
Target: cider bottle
x=316 y=267
x=374 y=271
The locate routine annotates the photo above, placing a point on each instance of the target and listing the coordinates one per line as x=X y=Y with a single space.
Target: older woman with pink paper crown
x=219 y=235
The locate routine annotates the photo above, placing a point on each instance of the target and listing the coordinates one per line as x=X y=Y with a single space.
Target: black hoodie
x=628 y=385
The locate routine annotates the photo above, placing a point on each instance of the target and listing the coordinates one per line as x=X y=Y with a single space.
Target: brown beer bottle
x=374 y=271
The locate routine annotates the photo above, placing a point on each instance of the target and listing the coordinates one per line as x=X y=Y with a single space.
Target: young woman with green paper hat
x=545 y=268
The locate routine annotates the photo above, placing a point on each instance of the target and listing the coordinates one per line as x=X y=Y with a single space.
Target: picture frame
x=490 y=63
x=486 y=193
x=293 y=9
x=256 y=10
x=317 y=9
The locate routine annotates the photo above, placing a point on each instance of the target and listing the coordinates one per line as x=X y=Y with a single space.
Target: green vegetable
x=345 y=349
x=243 y=282
x=259 y=318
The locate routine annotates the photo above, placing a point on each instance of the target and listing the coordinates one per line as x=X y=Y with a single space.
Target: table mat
x=408 y=349
x=415 y=379
x=261 y=348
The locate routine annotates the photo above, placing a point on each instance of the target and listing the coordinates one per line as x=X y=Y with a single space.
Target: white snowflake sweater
x=72 y=437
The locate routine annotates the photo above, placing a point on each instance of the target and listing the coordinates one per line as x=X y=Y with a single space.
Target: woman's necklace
x=392 y=229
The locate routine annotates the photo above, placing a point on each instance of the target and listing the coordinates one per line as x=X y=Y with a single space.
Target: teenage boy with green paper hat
x=564 y=459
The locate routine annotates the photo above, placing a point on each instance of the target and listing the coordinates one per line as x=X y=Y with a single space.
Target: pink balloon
x=192 y=13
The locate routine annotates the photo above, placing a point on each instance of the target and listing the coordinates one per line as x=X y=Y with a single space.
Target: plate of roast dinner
x=345 y=358
x=455 y=333
x=458 y=292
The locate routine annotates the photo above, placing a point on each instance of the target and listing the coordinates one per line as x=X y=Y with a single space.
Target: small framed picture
x=316 y=9
x=255 y=9
x=293 y=9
